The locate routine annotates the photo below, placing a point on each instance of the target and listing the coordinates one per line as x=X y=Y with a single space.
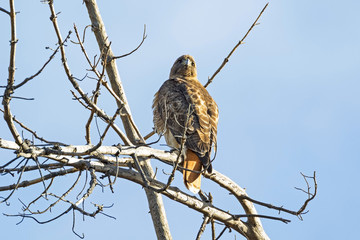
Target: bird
x=183 y=107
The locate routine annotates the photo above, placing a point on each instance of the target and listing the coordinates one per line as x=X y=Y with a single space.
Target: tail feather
x=192 y=180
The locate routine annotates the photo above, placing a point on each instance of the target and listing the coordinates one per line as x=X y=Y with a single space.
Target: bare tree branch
x=98 y=111
x=262 y=216
x=54 y=203
x=5 y=11
x=83 y=40
x=27 y=183
x=222 y=232
x=34 y=133
x=156 y=206
x=202 y=227
x=31 y=168
x=96 y=92
x=21 y=98
x=9 y=90
x=38 y=72
x=142 y=41
x=298 y=213
x=226 y=60
x=15 y=186
x=98 y=28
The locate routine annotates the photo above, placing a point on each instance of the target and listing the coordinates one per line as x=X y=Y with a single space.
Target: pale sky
x=288 y=99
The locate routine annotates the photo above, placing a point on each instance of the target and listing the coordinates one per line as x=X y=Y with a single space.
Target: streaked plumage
x=170 y=108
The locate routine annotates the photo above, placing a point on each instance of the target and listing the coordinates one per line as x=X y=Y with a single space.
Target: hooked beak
x=187 y=62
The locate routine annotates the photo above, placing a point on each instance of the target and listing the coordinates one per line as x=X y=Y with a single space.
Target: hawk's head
x=184 y=67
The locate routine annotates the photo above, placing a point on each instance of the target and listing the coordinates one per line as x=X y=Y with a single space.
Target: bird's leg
x=203 y=196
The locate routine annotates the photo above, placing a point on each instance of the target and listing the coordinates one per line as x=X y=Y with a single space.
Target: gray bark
x=155 y=202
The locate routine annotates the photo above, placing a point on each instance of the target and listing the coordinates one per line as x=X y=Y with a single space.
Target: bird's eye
x=193 y=64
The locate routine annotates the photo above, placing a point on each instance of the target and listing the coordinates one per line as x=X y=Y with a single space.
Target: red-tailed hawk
x=178 y=96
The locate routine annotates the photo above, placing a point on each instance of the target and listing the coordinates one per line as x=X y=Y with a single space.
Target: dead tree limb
x=155 y=202
x=9 y=90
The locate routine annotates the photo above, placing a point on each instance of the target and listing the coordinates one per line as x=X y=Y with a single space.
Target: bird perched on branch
x=187 y=116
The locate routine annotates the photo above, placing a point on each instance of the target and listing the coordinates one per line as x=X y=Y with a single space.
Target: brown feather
x=170 y=109
x=192 y=180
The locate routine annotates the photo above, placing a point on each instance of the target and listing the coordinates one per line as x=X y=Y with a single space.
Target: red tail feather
x=192 y=180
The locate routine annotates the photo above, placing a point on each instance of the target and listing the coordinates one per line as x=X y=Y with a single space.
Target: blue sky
x=289 y=103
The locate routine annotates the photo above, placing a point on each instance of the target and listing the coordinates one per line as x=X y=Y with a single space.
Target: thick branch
x=38 y=180
x=98 y=28
x=11 y=79
x=171 y=192
x=65 y=155
x=156 y=206
x=255 y=226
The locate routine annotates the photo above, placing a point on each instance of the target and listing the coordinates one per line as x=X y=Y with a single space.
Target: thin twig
x=142 y=41
x=97 y=89
x=37 y=180
x=41 y=175
x=262 y=216
x=310 y=196
x=15 y=185
x=32 y=168
x=94 y=102
x=58 y=200
x=38 y=72
x=104 y=134
x=83 y=40
x=93 y=106
x=9 y=162
x=111 y=183
x=5 y=11
x=222 y=232
x=83 y=48
x=34 y=133
x=22 y=98
x=88 y=123
x=73 y=227
x=233 y=50
x=96 y=96
x=74 y=206
x=23 y=216
x=212 y=220
x=40 y=196
x=149 y=135
x=298 y=213
x=22 y=168
x=140 y=170
x=93 y=183
x=202 y=227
